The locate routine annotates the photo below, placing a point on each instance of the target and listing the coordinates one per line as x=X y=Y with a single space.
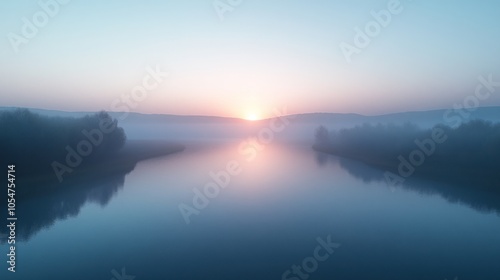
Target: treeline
x=472 y=148
x=34 y=142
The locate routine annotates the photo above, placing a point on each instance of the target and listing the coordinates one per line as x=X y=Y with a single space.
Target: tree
x=321 y=136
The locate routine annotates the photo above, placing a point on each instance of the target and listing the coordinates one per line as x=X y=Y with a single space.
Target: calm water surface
x=265 y=221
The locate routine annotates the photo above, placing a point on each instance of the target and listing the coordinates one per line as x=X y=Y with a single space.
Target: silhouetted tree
x=33 y=141
x=321 y=136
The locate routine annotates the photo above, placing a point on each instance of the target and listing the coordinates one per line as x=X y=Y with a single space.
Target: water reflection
x=41 y=212
x=477 y=192
x=43 y=202
x=264 y=221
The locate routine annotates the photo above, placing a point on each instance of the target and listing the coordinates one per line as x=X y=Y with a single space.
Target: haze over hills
x=132 y=117
x=298 y=127
x=422 y=118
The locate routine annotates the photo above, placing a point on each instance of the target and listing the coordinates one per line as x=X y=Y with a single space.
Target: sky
x=243 y=58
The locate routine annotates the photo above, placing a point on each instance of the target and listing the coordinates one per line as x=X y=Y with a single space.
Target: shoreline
x=121 y=163
x=479 y=178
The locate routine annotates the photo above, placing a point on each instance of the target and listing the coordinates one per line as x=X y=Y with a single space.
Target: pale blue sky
x=265 y=54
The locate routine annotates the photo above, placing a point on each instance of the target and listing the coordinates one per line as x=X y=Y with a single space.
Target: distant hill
x=424 y=118
x=137 y=117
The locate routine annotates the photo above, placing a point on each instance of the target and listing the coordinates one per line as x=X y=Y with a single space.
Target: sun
x=251 y=117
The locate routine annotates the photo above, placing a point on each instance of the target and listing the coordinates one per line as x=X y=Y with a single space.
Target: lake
x=289 y=214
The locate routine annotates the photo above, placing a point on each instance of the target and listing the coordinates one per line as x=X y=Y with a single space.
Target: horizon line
x=239 y=118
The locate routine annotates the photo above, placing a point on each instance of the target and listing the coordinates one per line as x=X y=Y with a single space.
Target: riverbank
x=120 y=163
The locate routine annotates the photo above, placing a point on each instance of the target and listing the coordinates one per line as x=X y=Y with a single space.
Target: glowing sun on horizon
x=251 y=117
